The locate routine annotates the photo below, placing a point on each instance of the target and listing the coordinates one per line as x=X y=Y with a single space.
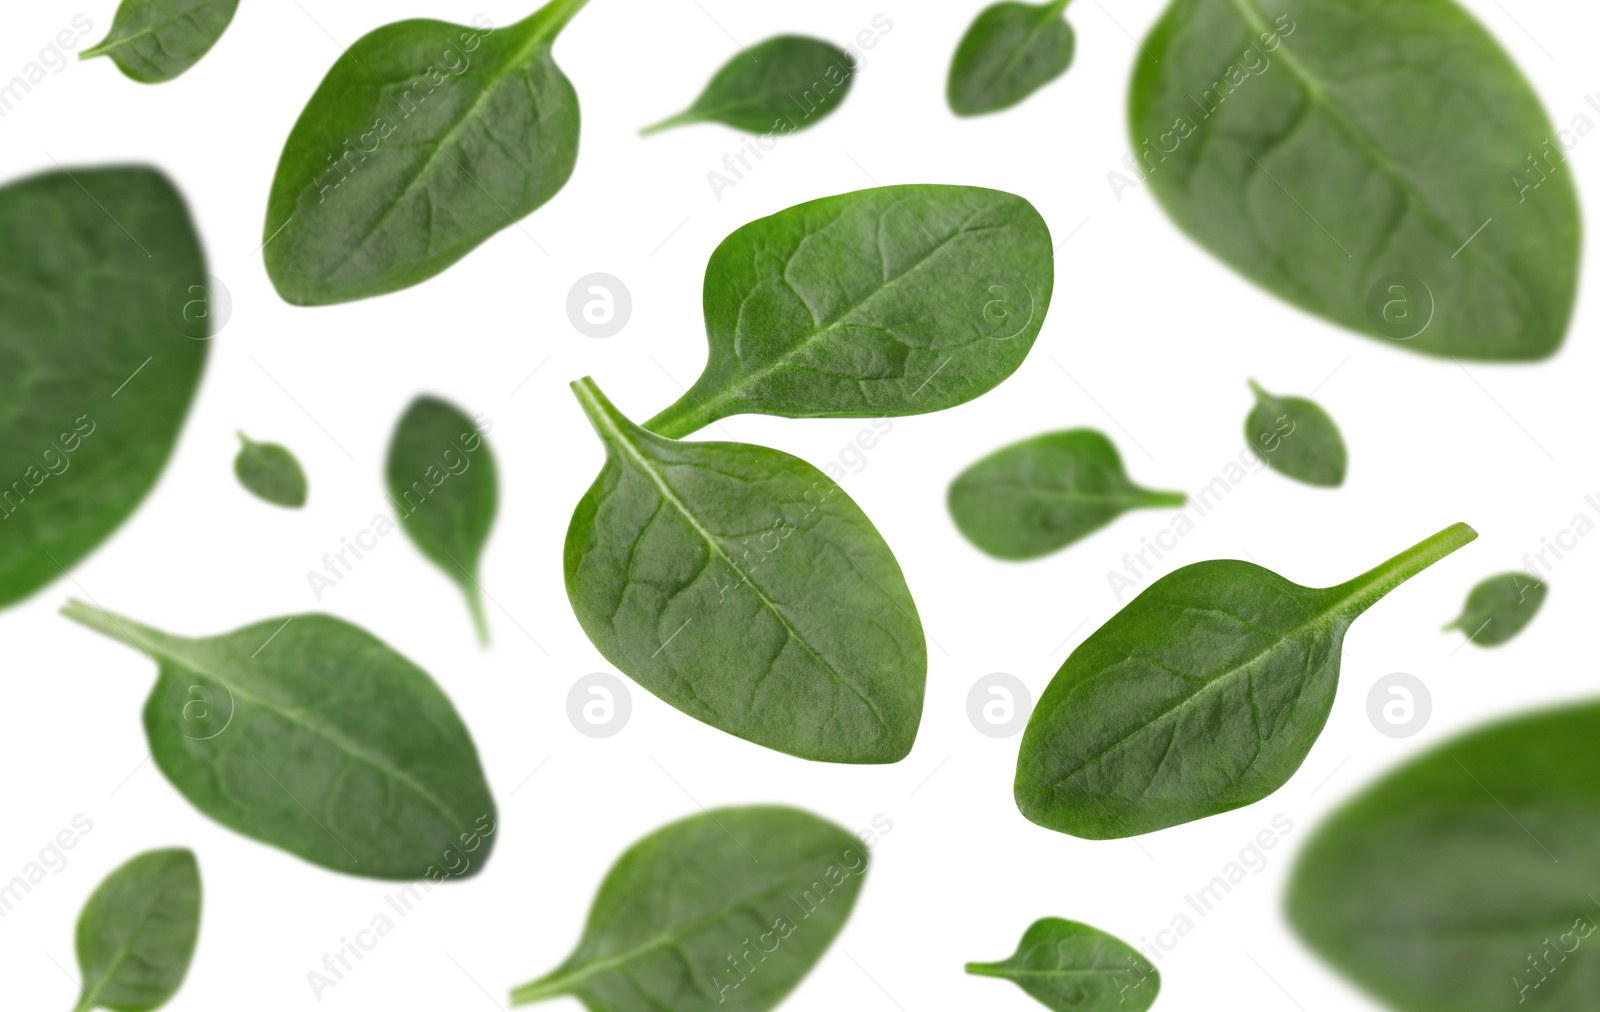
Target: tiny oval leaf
x=1071 y=967
x=779 y=86
x=742 y=586
x=1040 y=495
x=137 y=933
x=685 y=900
x=1296 y=438
x=153 y=41
x=311 y=735
x=1009 y=52
x=1501 y=607
x=271 y=473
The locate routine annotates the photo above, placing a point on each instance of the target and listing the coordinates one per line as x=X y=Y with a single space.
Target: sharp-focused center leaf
x=745 y=588
x=1465 y=880
x=1500 y=607
x=137 y=933
x=443 y=481
x=893 y=301
x=98 y=360
x=1072 y=967
x=1202 y=695
x=727 y=910
x=779 y=86
x=1040 y=495
x=424 y=140
x=1011 y=51
x=1296 y=438
x=309 y=734
x=270 y=472
x=156 y=40
x=1381 y=163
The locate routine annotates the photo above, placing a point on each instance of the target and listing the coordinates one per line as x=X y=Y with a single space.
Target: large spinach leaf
x=153 y=41
x=748 y=590
x=1040 y=495
x=779 y=86
x=311 y=735
x=100 y=356
x=897 y=300
x=1466 y=880
x=137 y=933
x=1202 y=695
x=1072 y=967
x=729 y=909
x=1381 y=163
x=443 y=481
x=424 y=140
x=1009 y=52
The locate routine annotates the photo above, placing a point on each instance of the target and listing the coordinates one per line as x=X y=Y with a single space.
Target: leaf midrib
x=644 y=464
x=126 y=946
x=1319 y=95
x=329 y=735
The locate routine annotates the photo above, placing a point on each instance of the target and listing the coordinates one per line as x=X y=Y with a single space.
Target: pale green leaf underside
x=1323 y=148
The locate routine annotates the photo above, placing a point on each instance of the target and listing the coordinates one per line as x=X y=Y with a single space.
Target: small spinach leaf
x=1040 y=495
x=98 y=359
x=309 y=734
x=1070 y=966
x=1464 y=881
x=443 y=481
x=1203 y=695
x=1296 y=438
x=782 y=85
x=1500 y=607
x=1412 y=198
x=153 y=41
x=897 y=300
x=271 y=472
x=137 y=933
x=673 y=919
x=424 y=140
x=743 y=587
x=1011 y=51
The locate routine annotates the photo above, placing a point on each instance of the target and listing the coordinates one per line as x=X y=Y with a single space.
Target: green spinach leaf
x=137 y=933
x=897 y=300
x=1500 y=607
x=1464 y=881
x=313 y=736
x=153 y=41
x=443 y=481
x=99 y=358
x=725 y=910
x=743 y=587
x=1070 y=966
x=424 y=140
x=1203 y=695
x=1296 y=438
x=1011 y=51
x=779 y=86
x=1384 y=165
x=271 y=472
x=1040 y=495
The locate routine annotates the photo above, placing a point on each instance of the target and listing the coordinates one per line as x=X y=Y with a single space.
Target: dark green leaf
x=725 y=910
x=443 y=481
x=1465 y=880
x=893 y=301
x=1500 y=607
x=1203 y=695
x=1296 y=438
x=271 y=472
x=1384 y=165
x=779 y=86
x=1040 y=495
x=424 y=140
x=1011 y=51
x=97 y=374
x=136 y=934
x=309 y=734
x=156 y=40
x=743 y=587
x=1070 y=966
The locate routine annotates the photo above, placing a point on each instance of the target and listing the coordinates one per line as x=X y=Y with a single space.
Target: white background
x=1148 y=339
